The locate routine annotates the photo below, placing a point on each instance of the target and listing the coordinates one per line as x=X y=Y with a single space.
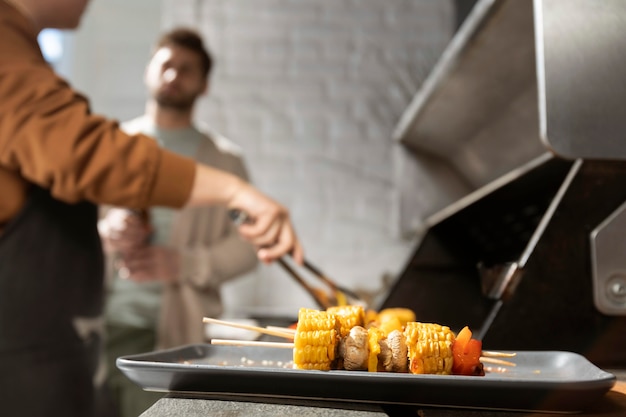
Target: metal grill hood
x=484 y=114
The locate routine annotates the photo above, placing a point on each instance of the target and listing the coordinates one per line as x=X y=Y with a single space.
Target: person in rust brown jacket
x=58 y=161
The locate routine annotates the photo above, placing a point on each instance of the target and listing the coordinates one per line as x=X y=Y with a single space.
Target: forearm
x=52 y=140
x=212 y=186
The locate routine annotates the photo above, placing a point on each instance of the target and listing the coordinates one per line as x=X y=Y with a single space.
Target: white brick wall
x=312 y=89
x=108 y=53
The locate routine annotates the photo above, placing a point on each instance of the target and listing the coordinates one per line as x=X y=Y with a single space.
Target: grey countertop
x=613 y=404
x=171 y=406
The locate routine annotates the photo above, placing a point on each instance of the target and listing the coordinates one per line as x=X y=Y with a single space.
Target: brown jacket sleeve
x=49 y=137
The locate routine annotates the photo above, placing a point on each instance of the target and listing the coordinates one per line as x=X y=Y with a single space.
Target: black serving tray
x=545 y=381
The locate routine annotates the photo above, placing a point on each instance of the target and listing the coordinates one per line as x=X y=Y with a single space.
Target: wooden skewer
x=287 y=345
x=263 y=330
x=494 y=354
x=287 y=333
x=257 y=343
x=282 y=329
x=486 y=354
x=496 y=361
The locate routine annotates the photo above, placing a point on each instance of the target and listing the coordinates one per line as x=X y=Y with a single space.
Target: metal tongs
x=337 y=296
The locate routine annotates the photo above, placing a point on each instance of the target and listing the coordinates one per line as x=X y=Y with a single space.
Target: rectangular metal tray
x=547 y=381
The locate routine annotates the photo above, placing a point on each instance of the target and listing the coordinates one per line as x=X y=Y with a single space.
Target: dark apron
x=51 y=269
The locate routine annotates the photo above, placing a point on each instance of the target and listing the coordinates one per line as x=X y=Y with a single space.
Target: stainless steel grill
x=533 y=252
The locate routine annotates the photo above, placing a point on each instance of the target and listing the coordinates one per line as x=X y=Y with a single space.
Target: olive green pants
x=129 y=398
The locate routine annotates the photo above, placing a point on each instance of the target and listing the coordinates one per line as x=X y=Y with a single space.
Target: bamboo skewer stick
x=282 y=329
x=486 y=353
x=497 y=361
x=485 y=357
x=494 y=354
x=256 y=343
x=263 y=330
x=288 y=345
x=287 y=333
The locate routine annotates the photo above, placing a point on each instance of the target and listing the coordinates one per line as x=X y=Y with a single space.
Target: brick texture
x=312 y=90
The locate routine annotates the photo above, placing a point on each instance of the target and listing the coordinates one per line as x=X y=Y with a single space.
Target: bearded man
x=166 y=267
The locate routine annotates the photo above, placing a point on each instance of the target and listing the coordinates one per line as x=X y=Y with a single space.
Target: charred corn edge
x=429 y=348
x=348 y=316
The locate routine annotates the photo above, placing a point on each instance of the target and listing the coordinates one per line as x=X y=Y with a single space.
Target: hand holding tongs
x=338 y=295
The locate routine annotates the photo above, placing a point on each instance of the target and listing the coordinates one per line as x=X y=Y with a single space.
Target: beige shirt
x=212 y=251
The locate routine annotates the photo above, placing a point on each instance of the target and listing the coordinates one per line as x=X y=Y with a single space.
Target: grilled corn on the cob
x=429 y=348
x=315 y=341
x=403 y=315
x=348 y=316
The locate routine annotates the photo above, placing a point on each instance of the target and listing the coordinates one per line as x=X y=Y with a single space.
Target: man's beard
x=179 y=103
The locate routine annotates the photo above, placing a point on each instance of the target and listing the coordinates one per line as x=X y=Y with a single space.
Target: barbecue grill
x=528 y=111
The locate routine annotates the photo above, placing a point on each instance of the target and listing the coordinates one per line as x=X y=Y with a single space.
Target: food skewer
x=289 y=345
x=485 y=353
x=337 y=339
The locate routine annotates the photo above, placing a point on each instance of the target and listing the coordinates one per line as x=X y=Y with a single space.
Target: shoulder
x=221 y=142
x=136 y=125
x=221 y=152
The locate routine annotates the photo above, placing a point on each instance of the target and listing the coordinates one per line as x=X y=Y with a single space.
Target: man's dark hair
x=190 y=39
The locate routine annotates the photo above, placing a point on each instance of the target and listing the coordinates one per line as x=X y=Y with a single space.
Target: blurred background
x=312 y=90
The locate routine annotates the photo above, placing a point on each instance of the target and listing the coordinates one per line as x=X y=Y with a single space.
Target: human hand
x=150 y=263
x=123 y=230
x=270 y=228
